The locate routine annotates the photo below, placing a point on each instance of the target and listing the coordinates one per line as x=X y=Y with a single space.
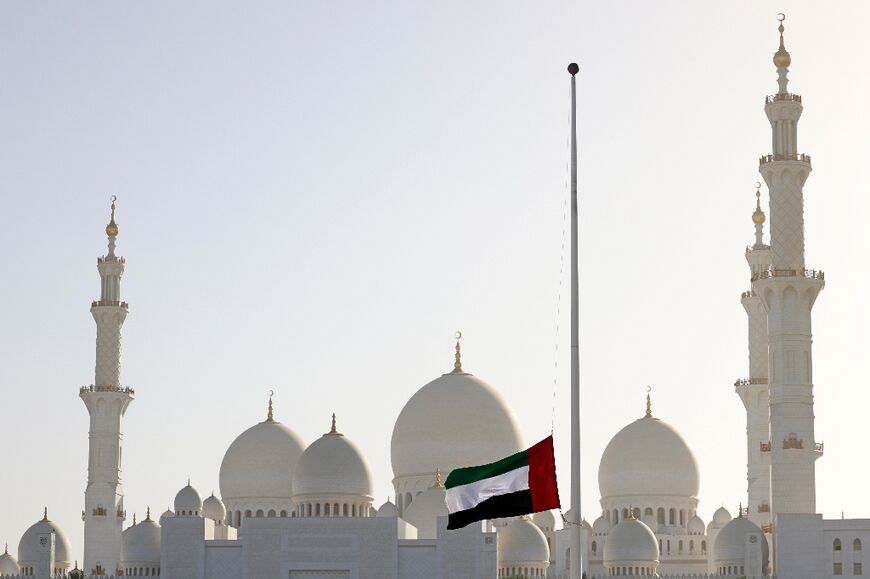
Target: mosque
x=305 y=511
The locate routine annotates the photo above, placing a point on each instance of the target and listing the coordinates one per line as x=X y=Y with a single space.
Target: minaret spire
x=758 y=218
x=781 y=58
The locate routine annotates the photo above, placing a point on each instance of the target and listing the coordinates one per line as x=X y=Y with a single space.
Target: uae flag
x=520 y=484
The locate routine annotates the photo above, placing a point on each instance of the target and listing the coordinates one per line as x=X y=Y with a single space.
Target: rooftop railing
x=782 y=97
x=115 y=303
x=792 y=157
x=748 y=381
x=805 y=273
x=92 y=388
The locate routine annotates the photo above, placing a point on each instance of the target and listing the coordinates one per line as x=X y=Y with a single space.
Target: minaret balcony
x=764 y=446
x=750 y=381
x=804 y=273
x=790 y=157
x=111 y=259
x=109 y=303
x=767 y=529
x=99 y=512
x=763 y=508
x=119 y=389
x=782 y=97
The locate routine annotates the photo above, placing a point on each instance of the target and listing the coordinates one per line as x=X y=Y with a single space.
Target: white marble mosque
x=304 y=510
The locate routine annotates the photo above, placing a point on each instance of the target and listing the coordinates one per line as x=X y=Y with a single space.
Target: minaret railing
x=782 y=97
x=764 y=159
x=804 y=273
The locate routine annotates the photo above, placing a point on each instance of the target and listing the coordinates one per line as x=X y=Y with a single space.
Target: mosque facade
x=298 y=510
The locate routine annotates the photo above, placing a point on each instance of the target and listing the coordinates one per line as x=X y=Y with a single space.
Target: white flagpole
x=577 y=536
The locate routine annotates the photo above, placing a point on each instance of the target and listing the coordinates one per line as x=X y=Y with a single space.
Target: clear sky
x=313 y=196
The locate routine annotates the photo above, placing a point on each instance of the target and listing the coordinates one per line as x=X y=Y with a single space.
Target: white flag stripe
x=464 y=497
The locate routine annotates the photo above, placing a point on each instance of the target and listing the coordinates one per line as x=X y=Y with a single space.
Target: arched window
x=648 y=512
x=672 y=517
x=660 y=516
x=680 y=546
x=259 y=512
x=682 y=517
x=691 y=546
x=856 y=545
x=272 y=513
x=703 y=546
x=283 y=513
x=838 y=546
x=594 y=546
x=636 y=512
x=624 y=513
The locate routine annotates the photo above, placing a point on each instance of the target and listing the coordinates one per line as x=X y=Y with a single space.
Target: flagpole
x=577 y=538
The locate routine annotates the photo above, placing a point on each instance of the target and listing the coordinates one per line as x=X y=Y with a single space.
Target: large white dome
x=731 y=542
x=521 y=542
x=425 y=510
x=28 y=547
x=453 y=421
x=260 y=462
x=648 y=458
x=332 y=465
x=631 y=541
x=142 y=543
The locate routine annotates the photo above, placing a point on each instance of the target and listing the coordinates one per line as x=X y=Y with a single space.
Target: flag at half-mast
x=520 y=484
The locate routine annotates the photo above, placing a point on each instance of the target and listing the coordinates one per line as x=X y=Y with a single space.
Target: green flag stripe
x=470 y=474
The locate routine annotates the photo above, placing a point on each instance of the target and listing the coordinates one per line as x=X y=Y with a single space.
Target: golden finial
x=438 y=484
x=648 y=403
x=782 y=59
x=45 y=514
x=148 y=513
x=6 y=552
x=134 y=519
x=758 y=216
x=112 y=227
x=333 y=429
x=269 y=417
x=457 y=364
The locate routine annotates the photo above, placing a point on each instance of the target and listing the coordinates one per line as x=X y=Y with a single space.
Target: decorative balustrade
x=765 y=446
x=111 y=259
x=749 y=381
x=805 y=273
x=782 y=97
x=790 y=157
x=820 y=447
x=793 y=442
x=112 y=303
x=99 y=512
x=121 y=389
x=763 y=508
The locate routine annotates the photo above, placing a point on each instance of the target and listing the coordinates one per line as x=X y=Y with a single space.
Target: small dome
x=188 y=502
x=260 y=463
x=142 y=542
x=453 y=421
x=720 y=518
x=696 y=526
x=521 y=541
x=601 y=526
x=731 y=542
x=545 y=520
x=8 y=564
x=423 y=513
x=167 y=514
x=388 y=509
x=648 y=457
x=28 y=547
x=214 y=509
x=631 y=540
x=332 y=465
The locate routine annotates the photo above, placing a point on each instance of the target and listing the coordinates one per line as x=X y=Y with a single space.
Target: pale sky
x=314 y=196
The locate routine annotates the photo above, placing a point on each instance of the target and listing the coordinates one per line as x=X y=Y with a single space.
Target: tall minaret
x=753 y=391
x=106 y=401
x=789 y=290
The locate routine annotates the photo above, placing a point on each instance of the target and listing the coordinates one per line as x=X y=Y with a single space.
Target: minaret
x=106 y=401
x=753 y=391
x=789 y=290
